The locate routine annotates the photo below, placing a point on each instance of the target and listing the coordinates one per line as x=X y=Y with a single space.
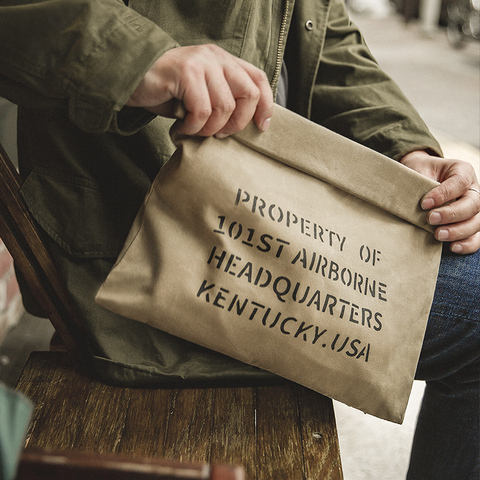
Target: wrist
x=415 y=155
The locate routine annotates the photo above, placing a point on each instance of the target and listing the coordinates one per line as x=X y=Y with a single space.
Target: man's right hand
x=221 y=93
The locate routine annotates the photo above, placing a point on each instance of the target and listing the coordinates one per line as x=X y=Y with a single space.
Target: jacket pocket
x=85 y=220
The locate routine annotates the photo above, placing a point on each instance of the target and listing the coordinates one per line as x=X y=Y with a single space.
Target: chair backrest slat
x=24 y=242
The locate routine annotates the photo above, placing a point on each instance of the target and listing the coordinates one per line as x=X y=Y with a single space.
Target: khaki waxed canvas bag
x=295 y=250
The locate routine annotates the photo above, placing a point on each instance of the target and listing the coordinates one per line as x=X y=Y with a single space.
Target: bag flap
x=326 y=155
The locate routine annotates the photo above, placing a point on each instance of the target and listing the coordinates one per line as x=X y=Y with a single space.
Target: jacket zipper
x=281 y=39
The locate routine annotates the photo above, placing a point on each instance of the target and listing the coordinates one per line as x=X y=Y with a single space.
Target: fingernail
x=456 y=248
x=434 y=218
x=442 y=235
x=427 y=203
x=265 y=125
x=220 y=135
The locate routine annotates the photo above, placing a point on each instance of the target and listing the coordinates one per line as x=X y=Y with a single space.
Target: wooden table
x=283 y=432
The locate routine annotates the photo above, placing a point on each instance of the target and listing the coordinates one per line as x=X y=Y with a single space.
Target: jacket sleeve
x=355 y=98
x=86 y=56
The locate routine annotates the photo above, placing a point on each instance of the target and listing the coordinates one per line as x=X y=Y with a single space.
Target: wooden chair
x=285 y=432
x=49 y=465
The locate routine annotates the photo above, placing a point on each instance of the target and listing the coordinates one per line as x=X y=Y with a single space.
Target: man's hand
x=453 y=206
x=220 y=92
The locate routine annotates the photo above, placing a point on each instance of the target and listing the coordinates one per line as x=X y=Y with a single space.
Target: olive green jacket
x=88 y=161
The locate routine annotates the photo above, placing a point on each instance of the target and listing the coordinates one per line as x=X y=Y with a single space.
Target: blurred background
x=431 y=48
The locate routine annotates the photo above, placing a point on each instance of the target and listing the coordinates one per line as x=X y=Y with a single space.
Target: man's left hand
x=454 y=205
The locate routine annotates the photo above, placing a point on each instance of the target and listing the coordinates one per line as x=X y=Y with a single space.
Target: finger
x=464 y=208
x=264 y=109
x=469 y=245
x=233 y=98
x=223 y=101
x=240 y=118
x=253 y=96
x=198 y=108
x=190 y=87
x=455 y=180
x=247 y=96
x=458 y=231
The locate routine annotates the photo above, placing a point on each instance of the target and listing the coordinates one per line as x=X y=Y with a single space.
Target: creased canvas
x=295 y=250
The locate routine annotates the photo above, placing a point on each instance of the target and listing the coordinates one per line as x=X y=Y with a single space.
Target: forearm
x=86 y=56
x=354 y=97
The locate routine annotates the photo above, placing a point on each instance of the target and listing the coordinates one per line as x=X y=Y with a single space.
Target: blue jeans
x=446 y=442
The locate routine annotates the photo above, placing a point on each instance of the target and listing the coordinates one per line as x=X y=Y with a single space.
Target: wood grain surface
x=282 y=432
